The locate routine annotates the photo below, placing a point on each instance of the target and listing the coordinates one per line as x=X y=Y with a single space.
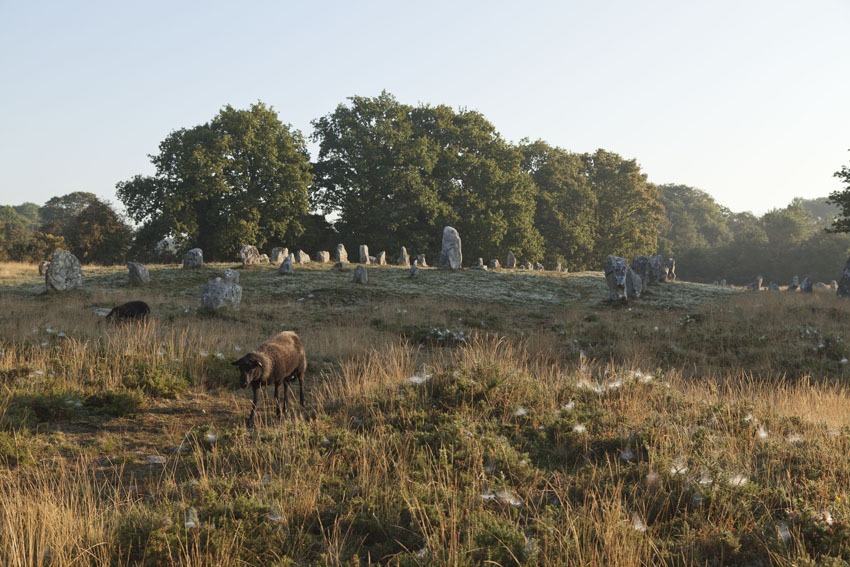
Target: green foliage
x=98 y=235
x=240 y=178
x=841 y=199
x=157 y=380
x=419 y=169
x=692 y=219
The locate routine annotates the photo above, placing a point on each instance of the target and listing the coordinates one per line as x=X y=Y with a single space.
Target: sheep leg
x=277 y=398
x=301 y=387
x=256 y=388
x=285 y=394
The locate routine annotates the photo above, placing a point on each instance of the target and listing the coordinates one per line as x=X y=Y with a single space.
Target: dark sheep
x=129 y=310
x=280 y=360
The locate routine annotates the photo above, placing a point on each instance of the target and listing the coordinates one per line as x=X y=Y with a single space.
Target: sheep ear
x=259 y=363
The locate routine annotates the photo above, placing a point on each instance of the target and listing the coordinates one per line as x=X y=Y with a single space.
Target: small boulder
x=302 y=257
x=323 y=256
x=364 y=254
x=340 y=267
x=479 y=265
x=820 y=286
x=511 y=262
x=529 y=266
x=420 y=261
x=414 y=271
x=249 y=255
x=361 y=276
x=138 y=274
x=755 y=285
x=222 y=292
x=723 y=282
x=64 y=272
x=279 y=255
x=558 y=267
x=381 y=258
x=806 y=286
x=773 y=286
x=286 y=266
x=194 y=258
x=451 y=255
x=538 y=266
x=494 y=264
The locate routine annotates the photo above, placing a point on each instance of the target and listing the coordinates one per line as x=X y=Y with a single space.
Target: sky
x=748 y=101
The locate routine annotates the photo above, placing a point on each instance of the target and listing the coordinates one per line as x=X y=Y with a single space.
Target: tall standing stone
x=451 y=255
x=286 y=266
x=194 y=258
x=657 y=269
x=615 y=275
x=364 y=254
x=403 y=258
x=634 y=285
x=361 y=276
x=138 y=274
x=381 y=258
x=341 y=253
x=279 y=255
x=64 y=272
x=511 y=262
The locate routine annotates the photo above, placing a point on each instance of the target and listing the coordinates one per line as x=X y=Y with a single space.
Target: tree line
x=391 y=174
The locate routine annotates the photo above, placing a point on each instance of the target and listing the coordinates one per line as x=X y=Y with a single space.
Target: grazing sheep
x=279 y=360
x=129 y=310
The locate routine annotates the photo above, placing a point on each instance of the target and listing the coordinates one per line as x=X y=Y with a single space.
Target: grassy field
x=471 y=418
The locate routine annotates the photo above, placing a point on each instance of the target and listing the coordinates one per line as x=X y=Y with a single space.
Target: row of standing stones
x=629 y=281
x=806 y=286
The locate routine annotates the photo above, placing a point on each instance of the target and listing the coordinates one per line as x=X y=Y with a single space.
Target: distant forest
x=390 y=174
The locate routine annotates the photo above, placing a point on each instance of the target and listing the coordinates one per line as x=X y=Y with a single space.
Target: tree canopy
x=241 y=178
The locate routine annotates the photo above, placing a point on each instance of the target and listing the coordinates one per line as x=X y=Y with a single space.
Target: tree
x=417 y=169
x=841 y=199
x=239 y=179
x=692 y=219
x=628 y=213
x=98 y=235
x=565 y=204
x=57 y=214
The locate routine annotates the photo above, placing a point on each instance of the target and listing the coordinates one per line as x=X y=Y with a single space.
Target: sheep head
x=250 y=368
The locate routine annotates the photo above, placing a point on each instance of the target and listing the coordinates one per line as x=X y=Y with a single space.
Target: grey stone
x=264 y=259
x=615 y=275
x=42 y=268
x=361 y=276
x=634 y=285
x=511 y=261
x=773 y=286
x=341 y=254
x=671 y=269
x=834 y=285
x=381 y=258
x=641 y=266
x=755 y=285
x=340 y=267
x=323 y=256
x=420 y=261
x=222 y=292
x=529 y=266
x=302 y=257
x=723 y=282
x=364 y=254
x=796 y=281
x=806 y=286
x=414 y=271
x=286 y=266
x=373 y=260
x=479 y=265
x=64 y=272
x=451 y=254
x=403 y=258
x=494 y=264
x=844 y=283
x=657 y=269
x=538 y=266
x=279 y=255
x=249 y=255
x=558 y=267
x=138 y=274
x=194 y=258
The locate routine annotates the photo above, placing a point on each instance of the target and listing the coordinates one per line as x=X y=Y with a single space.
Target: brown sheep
x=279 y=360
x=129 y=310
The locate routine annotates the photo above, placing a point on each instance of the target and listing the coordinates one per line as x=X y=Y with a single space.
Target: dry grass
x=556 y=434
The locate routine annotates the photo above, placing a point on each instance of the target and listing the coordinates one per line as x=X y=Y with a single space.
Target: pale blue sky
x=748 y=100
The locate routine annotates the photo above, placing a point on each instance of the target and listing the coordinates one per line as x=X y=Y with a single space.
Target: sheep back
x=282 y=356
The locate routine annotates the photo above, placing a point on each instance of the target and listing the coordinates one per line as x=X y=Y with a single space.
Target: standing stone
x=806 y=286
x=615 y=275
x=494 y=264
x=634 y=285
x=286 y=266
x=194 y=258
x=451 y=255
x=323 y=256
x=558 y=267
x=64 y=272
x=279 y=255
x=341 y=254
x=528 y=266
x=538 y=266
x=361 y=276
x=372 y=260
x=364 y=254
x=249 y=255
x=657 y=269
x=302 y=257
x=479 y=265
x=404 y=258
x=264 y=259
x=420 y=261
x=340 y=267
x=755 y=285
x=641 y=267
x=42 y=268
x=773 y=286
x=381 y=258
x=222 y=292
x=139 y=275
x=414 y=271
x=671 y=269
x=834 y=285
x=511 y=263
x=723 y=282
x=796 y=281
